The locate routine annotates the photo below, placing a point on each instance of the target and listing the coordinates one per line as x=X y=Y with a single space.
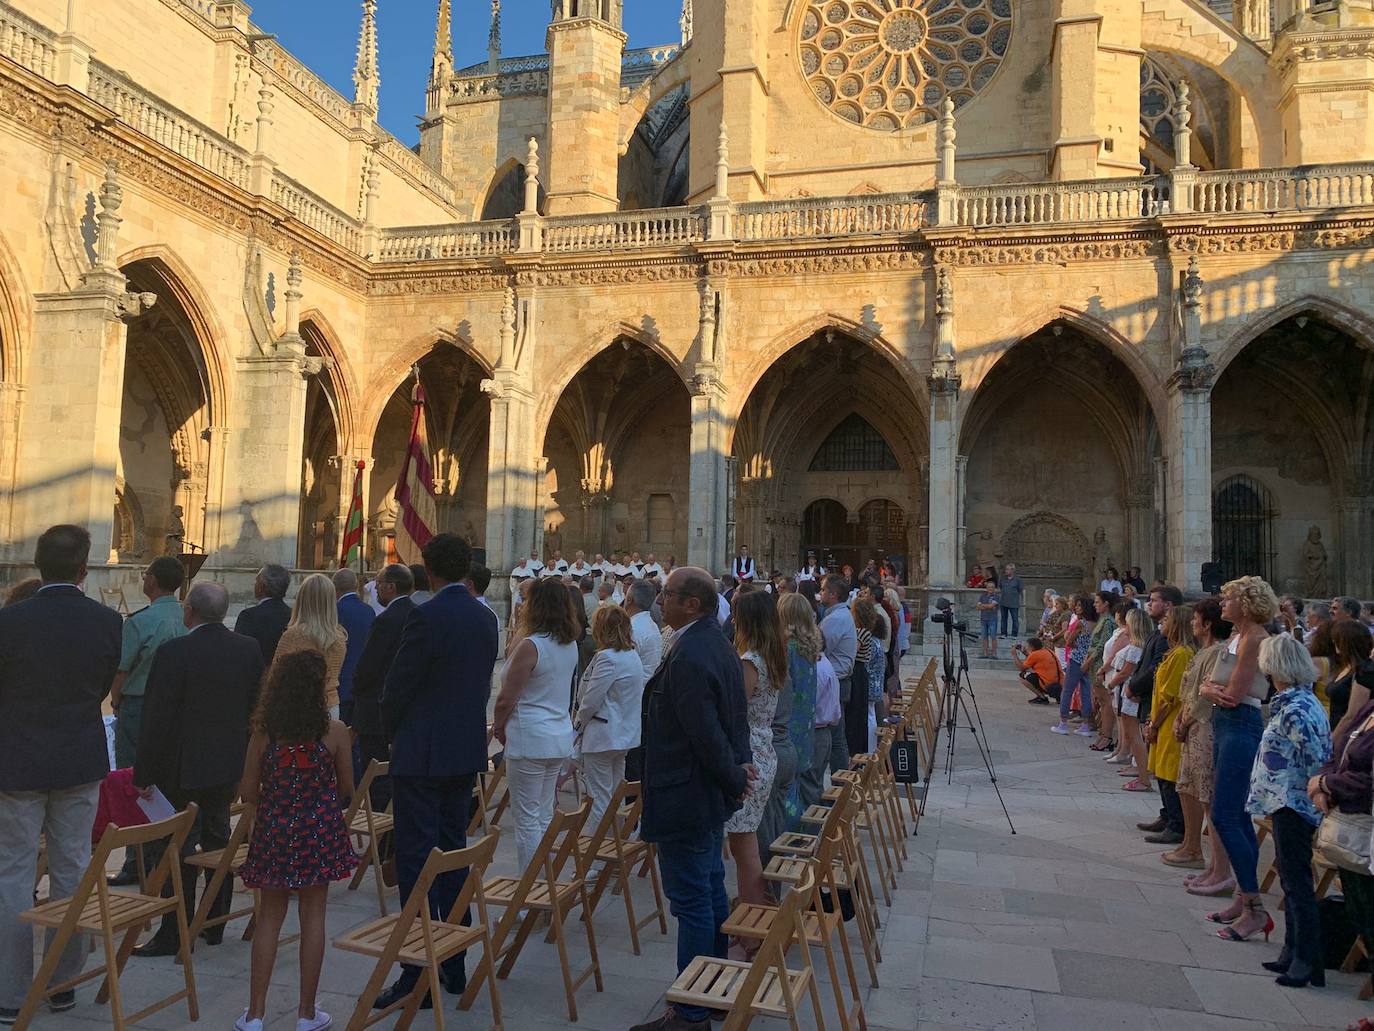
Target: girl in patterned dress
x=299 y=768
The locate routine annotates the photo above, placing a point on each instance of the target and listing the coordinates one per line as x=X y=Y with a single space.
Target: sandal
x=1220 y=890
x=1129 y=771
x=1102 y=746
x=1137 y=785
x=1226 y=916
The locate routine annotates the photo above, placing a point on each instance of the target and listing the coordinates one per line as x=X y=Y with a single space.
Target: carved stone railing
x=437 y=243
x=27 y=43
x=166 y=125
x=531 y=83
x=821 y=217
x=288 y=71
x=408 y=163
x=644 y=63
x=1033 y=204
x=314 y=211
x=624 y=230
x=1284 y=189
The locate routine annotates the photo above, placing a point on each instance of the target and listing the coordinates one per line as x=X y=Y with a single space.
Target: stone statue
x=176 y=531
x=1102 y=554
x=1314 y=565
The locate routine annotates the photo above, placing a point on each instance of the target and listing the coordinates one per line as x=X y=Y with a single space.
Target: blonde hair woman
x=315 y=627
x=607 y=718
x=1237 y=726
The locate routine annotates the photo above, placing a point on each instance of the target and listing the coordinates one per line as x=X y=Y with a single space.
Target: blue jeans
x=1013 y=616
x=1076 y=678
x=1236 y=737
x=694 y=881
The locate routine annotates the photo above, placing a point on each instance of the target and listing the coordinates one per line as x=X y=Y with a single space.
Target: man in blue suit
x=59 y=652
x=355 y=616
x=434 y=705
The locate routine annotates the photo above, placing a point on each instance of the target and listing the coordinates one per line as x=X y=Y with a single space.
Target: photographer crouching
x=1038 y=668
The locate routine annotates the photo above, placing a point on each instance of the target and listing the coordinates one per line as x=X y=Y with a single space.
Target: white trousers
x=533 y=795
x=65 y=817
x=602 y=772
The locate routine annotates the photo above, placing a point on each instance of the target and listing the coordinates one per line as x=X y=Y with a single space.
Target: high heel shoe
x=1252 y=906
x=1106 y=746
x=1226 y=916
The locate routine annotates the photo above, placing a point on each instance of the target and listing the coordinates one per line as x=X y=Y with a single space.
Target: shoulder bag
x=1344 y=838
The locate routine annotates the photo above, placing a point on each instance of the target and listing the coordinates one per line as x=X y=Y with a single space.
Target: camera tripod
x=958 y=692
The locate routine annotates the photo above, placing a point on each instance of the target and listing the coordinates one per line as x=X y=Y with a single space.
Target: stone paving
x=1071 y=923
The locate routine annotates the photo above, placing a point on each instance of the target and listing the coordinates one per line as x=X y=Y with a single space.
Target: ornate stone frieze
x=482 y=280
x=832 y=263
x=1044 y=252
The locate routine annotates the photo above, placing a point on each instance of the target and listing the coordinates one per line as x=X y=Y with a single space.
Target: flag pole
x=362 y=545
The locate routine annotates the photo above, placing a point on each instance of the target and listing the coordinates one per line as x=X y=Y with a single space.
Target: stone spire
x=685 y=22
x=441 y=68
x=366 y=79
x=494 y=39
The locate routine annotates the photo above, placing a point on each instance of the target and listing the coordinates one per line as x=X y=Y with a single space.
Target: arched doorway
x=617 y=447
x=161 y=503
x=457 y=425
x=1062 y=448
x=1292 y=435
x=832 y=419
x=323 y=473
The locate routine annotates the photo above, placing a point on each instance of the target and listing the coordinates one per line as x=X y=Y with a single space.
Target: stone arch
x=744 y=383
x=613 y=332
x=1194 y=32
x=1352 y=321
x=673 y=73
x=340 y=374
x=505 y=188
x=397 y=368
x=16 y=316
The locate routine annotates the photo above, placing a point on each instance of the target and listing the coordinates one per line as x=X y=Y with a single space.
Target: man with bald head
x=202 y=690
x=697 y=772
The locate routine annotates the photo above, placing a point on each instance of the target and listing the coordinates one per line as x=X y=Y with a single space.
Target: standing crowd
x=1241 y=714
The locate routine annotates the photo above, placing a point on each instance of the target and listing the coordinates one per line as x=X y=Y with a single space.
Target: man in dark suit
x=434 y=705
x=202 y=690
x=697 y=772
x=394 y=584
x=58 y=655
x=266 y=621
x=355 y=616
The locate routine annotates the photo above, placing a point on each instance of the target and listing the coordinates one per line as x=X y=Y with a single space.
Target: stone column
x=514 y=524
x=1188 y=442
x=945 y=502
x=1138 y=548
x=706 y=543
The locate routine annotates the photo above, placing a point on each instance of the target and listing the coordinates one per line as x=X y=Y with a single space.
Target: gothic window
x=1243 y=528
x=854 y=446
x=890 y=64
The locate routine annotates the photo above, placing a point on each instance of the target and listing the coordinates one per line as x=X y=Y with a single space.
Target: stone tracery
x=890 y=64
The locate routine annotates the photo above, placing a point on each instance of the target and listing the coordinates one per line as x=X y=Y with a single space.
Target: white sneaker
x=1085 y=731
x=244 y=1024
x=318 y=1022
x=1060 y=728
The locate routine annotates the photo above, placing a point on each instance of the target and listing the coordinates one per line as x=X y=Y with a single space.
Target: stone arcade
x=1049 y=281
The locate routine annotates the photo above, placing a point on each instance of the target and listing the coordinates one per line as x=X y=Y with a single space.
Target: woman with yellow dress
x=1166 y=751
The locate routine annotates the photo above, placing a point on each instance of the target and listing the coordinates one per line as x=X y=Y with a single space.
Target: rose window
x=890 y=64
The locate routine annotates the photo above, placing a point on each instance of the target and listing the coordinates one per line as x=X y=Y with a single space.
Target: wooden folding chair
x=612 y=846
x=752 y=922
x=492 y=796
x=98 y=909
x=223 y=863
x=367 y=827
x=764 y=987
x=537 y=890
x=414 y=937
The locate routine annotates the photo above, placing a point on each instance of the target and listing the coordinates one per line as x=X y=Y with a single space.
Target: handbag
x=1343 y=838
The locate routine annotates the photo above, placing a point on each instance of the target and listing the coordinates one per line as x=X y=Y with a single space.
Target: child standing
x=988 y=603
x=298 y=768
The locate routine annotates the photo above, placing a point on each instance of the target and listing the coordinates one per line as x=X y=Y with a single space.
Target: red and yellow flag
x=418 y=509
x=353 y=525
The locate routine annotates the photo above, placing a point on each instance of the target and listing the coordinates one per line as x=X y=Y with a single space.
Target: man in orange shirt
x=1039 y=670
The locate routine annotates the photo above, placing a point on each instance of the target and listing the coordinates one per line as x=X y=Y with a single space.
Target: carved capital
x=1195 y=374
x=131 y=305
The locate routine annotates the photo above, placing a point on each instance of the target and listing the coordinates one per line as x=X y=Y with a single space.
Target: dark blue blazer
x=434 y=705
x=696 y=737
x=264 y=622
x=58 y=655
x=378 y=653
x=355 y=616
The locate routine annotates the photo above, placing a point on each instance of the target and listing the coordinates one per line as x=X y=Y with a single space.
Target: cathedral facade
x=1066 y=283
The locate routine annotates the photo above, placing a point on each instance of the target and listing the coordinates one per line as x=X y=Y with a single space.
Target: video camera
x=945 y=616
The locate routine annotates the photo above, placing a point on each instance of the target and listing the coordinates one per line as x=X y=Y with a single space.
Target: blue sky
x=324 y=34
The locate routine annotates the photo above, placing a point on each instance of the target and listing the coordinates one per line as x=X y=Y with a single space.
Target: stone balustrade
x=1284 y=189
x=436 y=243
x=625 y=230
x=1034 y=204
x=27 y=43
x=312 y=210
x=176 y=131
x=822 y=217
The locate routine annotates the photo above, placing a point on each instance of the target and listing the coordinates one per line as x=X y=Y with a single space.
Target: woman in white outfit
x=531 y=718
x=608 y=717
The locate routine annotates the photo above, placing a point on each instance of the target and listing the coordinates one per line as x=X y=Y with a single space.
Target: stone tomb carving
x=1046 y=546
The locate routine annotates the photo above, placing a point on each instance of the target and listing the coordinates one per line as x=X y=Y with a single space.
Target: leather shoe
x=1153 y=826
x=670 y=1021
x=454 y=984
x=397 y=991
x=157 y=946
x=212 y=935
x=123 y=879
x=1165 y=838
